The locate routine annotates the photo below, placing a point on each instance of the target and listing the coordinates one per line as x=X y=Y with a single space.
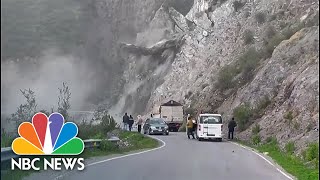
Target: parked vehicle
x=172 y=113
x=209 y=127
x=155 y=126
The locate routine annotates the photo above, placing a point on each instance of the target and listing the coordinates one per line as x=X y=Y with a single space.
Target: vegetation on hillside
x=242 y=71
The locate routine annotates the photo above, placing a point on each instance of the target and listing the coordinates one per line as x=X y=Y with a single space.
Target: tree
x=27 y=110
x=63 y=100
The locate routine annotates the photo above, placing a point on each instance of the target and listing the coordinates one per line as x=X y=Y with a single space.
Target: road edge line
x=123 y=156
x=127 y=155
x=272 y=164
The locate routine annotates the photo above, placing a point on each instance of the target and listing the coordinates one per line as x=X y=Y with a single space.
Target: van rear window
x=210 y=120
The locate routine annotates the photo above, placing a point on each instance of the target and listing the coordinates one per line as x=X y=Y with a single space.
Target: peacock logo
x=48 y=136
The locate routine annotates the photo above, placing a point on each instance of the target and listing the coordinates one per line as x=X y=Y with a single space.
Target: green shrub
x=296 y=125
x=97 y=131
x=312 y=152
x=272 y=43
x=309 y=127
x=136 y=141
x=87 y=131
x=291 y=30
x=262 y=105
x=225 y=77
x=248 y=36
x=256 y=139
x=270 y=32
x=260 y=17
x=249 y=59
x=107 y=123
x=106 y=145
x=256 y=129
x=237 y=5
x=6 y=139
x=245 y=65
x=271 y=140
x=99 y=135
x=242 y=115
x=289 y=117
x=289 y=148
x=248 y=63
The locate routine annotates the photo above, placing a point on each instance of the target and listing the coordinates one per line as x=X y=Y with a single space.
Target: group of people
x=128 y=122
x=192 y=125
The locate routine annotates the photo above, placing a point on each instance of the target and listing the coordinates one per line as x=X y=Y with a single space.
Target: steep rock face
x=149 y=59
x=213 y=34
x=289 y=77
x=114 y=22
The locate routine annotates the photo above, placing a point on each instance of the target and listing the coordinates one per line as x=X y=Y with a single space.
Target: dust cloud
x=44 y=76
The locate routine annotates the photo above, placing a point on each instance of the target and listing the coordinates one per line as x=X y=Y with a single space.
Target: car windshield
x=210 y=120
x=157 y=121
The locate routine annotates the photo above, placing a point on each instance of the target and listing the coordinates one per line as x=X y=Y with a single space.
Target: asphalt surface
x=177 y=159
x=180 y=159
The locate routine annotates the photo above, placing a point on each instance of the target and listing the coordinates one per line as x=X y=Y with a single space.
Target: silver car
x=155 y=126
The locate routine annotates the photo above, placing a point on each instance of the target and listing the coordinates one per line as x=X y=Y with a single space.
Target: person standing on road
x=190 y=128
x=125 y=120
x=131 y=121
x=232 y=124
x=194 y=125
x=139 y=123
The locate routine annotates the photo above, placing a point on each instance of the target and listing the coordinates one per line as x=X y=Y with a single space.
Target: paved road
x=183 y=159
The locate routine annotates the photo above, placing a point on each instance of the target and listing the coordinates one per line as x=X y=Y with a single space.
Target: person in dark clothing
x=195 y=125
x=232 y=124
x=131 y=121
x=125 y=120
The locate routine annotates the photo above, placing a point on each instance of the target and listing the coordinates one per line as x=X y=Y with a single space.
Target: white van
x=209 y=126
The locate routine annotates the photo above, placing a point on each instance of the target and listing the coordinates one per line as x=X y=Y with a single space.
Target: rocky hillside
x=256 y=60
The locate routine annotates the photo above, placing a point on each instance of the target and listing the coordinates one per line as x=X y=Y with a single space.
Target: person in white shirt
x=139 y=123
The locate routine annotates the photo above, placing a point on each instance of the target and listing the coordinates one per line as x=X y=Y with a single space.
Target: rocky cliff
x=261 y=56
x=256 y=60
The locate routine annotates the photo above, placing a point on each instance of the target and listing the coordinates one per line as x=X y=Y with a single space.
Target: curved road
x=177 y=159
x=183 y=159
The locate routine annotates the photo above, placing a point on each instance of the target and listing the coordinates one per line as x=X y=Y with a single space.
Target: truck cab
x=209 y=126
